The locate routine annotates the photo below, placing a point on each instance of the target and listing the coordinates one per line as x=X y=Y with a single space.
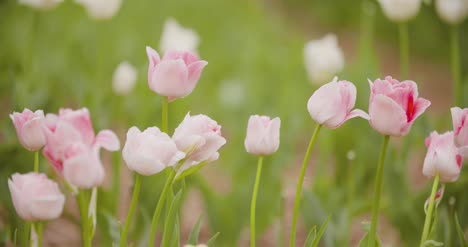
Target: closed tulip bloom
x=262 y=135
x=41 y=4
x=331 y=105
x=149 y=152
x=176 y=75
x=102 y=9
x=394 y=106
x=124 y=78
x=323 y=59
x=442 y=157
x=460 y=129
x=452 y=11
x=178 y=38
x=200 y=138
x=35 y=197
x=400 y=10
x=28 y=127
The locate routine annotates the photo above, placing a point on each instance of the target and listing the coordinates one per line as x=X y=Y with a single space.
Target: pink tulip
x=35 y=197
x=149 y=152
x=394 y=106
x=200 y=138
x=176 y=75
x=442 y=157
x=70 y=141
x=460 y=129
x=28 y=127
x=332 y=103
x=262 y=135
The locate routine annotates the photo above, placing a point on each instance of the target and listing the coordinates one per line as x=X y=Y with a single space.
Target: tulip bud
x=400 y=10
x=176 y=75
x=394 y=106
x=452 y=11
x=28 y=127
x=323 y=59
x=438 y=197
x=149 y=152
x=332 y=103
x=124 y=78
x=177 y=38
x=35 y=197
x=442 y=157
x=460 y=129
x=102 y=9
x=262 y=135
x=40 y=4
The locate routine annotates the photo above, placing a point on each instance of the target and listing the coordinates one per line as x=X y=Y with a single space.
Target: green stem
x=297 y=200
x=404 y=50
x=36 y=161
x=164 y=115
x=159 y=206
x=136 y=192
x=254 y=201
x=455 y=57
x=427 y=222
x=39 y=230
x=83 y=204
x=377 y=193
x=26 y=233
x=116 y=182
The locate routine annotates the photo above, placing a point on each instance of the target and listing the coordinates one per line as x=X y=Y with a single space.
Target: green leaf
x=114 y=226
x=190 y=171
x=364 y=241
x=460 y=233
x=176 y=235
x=212 y=239
x=311 y=236
x=321 y=232
x=430 y=243
x=193 y=237
x=171 y=220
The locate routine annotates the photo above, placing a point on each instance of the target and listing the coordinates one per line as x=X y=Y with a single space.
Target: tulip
x=177 y=38
x=332 y=103
x=174 y=76
x=35 y=197
x=40 y=4
x=124 y=78
x=28 y=127
x=323 y=59
x=149 y=152
x=452 y=11
x=200 y=138
x=394 y=106
x=102 y=9
x=400 y=10
x=262 y=135
x=460 y=129
x=442 y=157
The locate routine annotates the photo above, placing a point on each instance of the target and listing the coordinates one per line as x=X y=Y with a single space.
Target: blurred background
x=64 y=57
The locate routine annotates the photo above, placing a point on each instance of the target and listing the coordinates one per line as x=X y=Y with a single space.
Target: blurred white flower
x=101 y=9
x=452 y=11
x=124 y=78
x=323 y=59
x=40 y=4
x=400 y=10
x=351 y=155
x=231 y=93
x=177 y=38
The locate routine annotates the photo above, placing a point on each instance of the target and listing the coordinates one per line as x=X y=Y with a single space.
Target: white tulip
x=101 y=9
x=452 y=11
x=323 y=59
x=124 y=78
x=178 y=38
x=400 y=10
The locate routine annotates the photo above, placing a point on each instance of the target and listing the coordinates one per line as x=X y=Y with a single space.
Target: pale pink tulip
x=176 y=75
x=442 y=157
x=263 y=135
x=28 y=127
x=35 y=197
x=460 y=129
x=149 y=152
x=200 y=138
x=331 y=105
x=70 y=140
x=394 y=106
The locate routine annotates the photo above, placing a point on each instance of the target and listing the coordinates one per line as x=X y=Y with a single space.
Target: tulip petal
x=463 y=151
x=387 y=117
x=357 y=113
x=169 y=79
x=194 y=71
x=108 y=140
x=419 y=107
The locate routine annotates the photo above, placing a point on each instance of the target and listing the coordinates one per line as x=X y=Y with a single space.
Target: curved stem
x=164 y=115
x=254 y=201
x=404 y=50
x=136 y=192
x=427 y=222
x=455 y=57
x=157 y=211
x=377 y=193
x=297 y=200
x=82 y=202
x=36 y=161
